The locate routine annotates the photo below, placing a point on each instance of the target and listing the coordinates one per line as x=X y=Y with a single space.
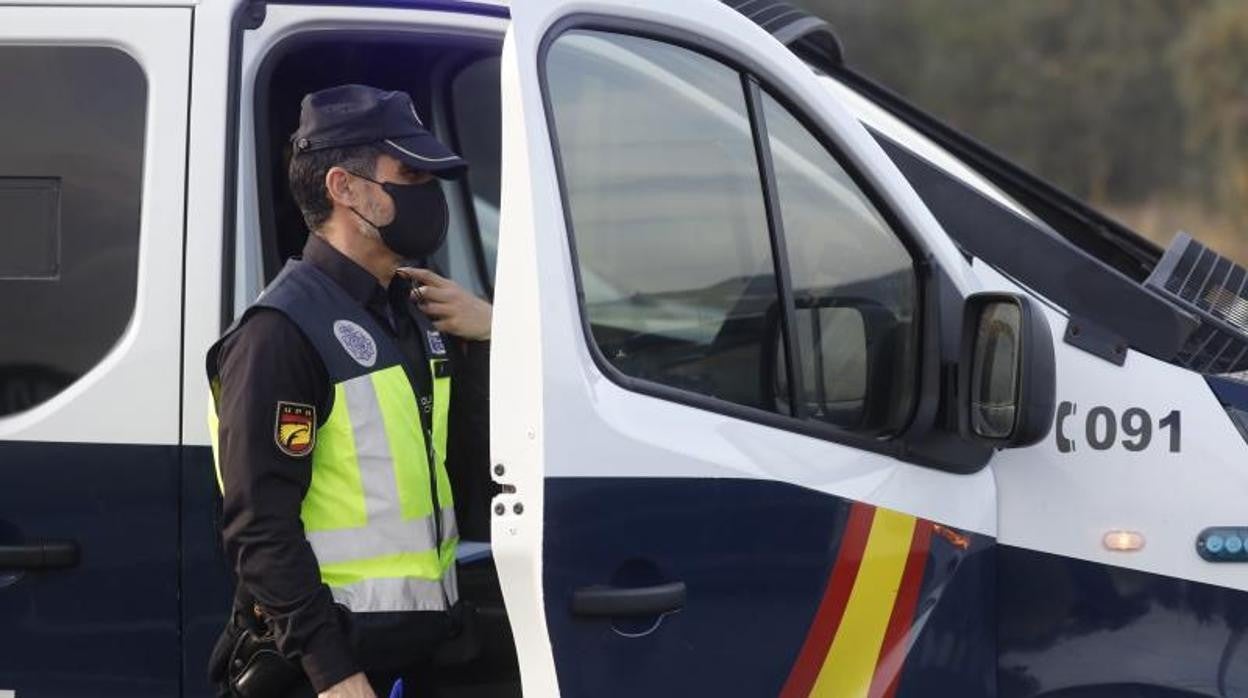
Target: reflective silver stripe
x=450 y=528
x=395 y=594
x=450 y=584
x=380 y=537
x=420 y=157
x=372 y=448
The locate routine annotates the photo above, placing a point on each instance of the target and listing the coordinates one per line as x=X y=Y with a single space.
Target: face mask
x=420 y=218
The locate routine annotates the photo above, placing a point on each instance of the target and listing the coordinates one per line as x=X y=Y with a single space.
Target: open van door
x=704 y=360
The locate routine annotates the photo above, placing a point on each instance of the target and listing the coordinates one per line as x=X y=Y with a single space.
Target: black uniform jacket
x=267 y=361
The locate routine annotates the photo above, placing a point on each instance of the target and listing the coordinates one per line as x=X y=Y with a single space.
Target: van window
x=71 y=165
x=476 y=109
x=666 y=208
x=853 y=286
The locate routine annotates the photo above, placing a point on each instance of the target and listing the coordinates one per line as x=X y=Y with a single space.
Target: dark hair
x=307 y=177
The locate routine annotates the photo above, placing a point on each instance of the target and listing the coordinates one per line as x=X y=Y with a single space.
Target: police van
x=794 y=389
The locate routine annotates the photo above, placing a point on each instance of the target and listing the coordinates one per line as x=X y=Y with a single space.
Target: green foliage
x=1211 y=61
x=1133 y=105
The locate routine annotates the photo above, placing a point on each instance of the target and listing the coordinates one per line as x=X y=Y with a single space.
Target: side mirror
x=1007 y=385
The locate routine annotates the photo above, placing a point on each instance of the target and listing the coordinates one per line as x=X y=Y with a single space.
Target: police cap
x=349 y=115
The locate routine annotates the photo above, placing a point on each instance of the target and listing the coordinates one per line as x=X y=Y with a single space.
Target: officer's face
x=379 y=205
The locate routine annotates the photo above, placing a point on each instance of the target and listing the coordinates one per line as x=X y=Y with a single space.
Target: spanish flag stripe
x=850 y=665
x=893 y=653
x=823 y=629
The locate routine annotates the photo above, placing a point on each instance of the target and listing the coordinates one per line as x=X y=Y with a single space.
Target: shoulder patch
x=357 y=342
x=294 y=428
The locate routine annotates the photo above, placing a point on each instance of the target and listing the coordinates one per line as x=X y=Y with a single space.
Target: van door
x=704 y=348
x=92 y=156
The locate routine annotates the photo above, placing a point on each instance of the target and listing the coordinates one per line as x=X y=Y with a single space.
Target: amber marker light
x=956 y=539
x=1123 y=541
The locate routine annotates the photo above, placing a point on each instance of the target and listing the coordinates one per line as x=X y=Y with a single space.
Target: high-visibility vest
x=379 y=513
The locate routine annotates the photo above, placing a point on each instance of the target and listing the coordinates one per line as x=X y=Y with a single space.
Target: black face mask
x=420 y=218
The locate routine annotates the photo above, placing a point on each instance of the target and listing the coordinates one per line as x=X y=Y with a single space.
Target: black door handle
x=48 y=555
x=639 y=601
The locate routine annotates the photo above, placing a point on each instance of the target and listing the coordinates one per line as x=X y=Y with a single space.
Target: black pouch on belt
x=247 y=663
x=259 y=670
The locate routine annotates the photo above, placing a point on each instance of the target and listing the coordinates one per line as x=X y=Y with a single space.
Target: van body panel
x=96 y=466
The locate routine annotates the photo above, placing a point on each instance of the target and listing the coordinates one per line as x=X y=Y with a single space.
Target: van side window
x=853 y=285
x=71 y=165
x=476 y=109
x=666 y=208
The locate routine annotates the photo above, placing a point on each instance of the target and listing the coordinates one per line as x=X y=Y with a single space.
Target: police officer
x=334 y=410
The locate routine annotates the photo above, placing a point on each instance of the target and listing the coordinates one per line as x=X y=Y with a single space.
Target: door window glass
x=71 y=164
x=853 y=285
x=666 y=206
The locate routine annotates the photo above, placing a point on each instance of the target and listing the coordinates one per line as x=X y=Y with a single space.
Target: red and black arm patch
x=294 y=428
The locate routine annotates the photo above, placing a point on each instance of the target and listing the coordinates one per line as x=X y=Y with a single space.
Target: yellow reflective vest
x=378 y=513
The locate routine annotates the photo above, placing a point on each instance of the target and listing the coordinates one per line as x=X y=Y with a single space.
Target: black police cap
x=349 y=115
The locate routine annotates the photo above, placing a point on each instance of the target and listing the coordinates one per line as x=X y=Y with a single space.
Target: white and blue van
x=794 y=390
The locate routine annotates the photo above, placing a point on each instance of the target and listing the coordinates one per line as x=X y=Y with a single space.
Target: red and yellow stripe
x=857 y=643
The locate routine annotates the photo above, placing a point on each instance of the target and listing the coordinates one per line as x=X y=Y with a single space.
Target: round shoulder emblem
x=357 y=341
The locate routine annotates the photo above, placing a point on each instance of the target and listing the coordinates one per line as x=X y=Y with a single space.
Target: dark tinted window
x=476 y=106
x=853 y=286
x=71 y=159
x=667 y=213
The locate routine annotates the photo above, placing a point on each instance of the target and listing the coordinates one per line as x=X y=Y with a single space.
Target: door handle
x=48 y=555
x=599 y=601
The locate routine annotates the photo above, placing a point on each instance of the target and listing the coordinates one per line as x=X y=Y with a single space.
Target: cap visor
x=427 y=154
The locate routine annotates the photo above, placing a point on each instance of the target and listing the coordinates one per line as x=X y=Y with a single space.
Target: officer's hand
x=354 y=686
x=453 y=310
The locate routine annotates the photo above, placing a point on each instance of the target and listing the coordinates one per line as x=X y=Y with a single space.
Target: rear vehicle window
x=71 y=165
x=666 y=207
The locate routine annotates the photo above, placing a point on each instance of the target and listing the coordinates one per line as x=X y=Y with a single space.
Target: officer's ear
x=342 y=186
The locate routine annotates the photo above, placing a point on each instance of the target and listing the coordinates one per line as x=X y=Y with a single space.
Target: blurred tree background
x=1139 y=107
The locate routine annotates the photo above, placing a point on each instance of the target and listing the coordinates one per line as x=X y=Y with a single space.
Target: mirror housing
x=1007 y=372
